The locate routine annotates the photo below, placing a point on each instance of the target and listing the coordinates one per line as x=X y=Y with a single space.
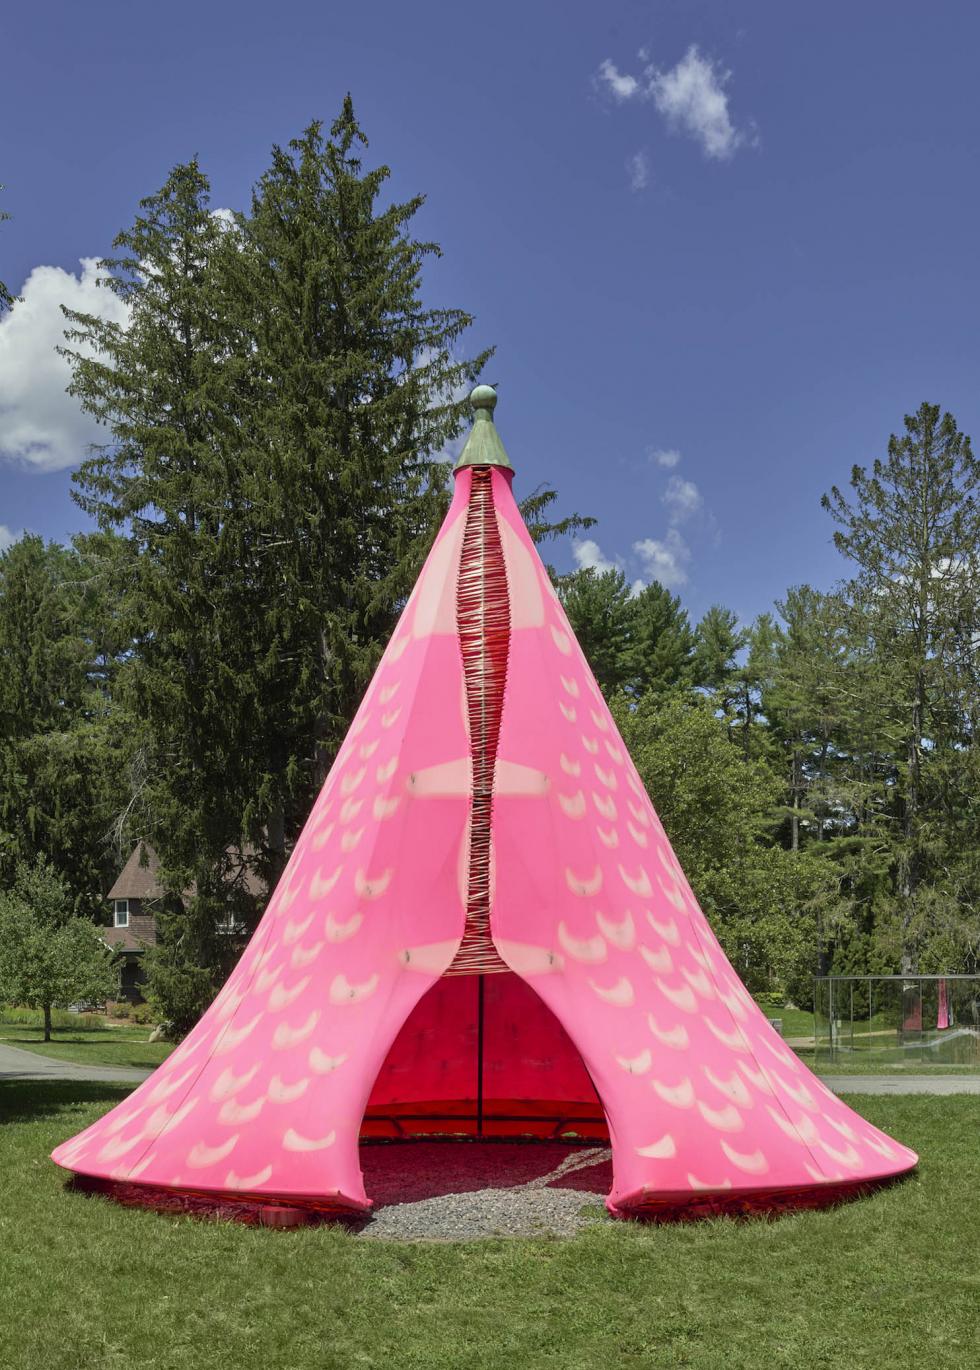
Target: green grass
x=870 y=1065
x=105 y=1046
x=885 y=1281
x=797 y=1022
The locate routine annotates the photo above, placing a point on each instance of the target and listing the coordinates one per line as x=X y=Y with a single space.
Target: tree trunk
x=276 y=845
x=47 y=1022
x=907 y=865
x=322 y=756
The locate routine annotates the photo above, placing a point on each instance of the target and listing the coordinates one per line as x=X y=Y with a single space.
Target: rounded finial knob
x=483 y=397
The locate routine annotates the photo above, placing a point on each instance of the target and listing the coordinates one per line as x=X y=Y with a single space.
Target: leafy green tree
x=602 y=614
x=912 y=527
x=48 y=957
x=717 y=808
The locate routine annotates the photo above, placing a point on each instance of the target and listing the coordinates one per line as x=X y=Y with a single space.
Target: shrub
x=16 y=1016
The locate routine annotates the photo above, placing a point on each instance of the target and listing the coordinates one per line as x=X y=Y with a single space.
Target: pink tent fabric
x=483 y=930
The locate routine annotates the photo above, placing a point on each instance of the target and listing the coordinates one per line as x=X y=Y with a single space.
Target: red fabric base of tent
x=290 y=1211
x=252 y=1210
x=686 y=1207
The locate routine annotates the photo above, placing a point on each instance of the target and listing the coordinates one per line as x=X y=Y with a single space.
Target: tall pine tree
x=663 y=643
x=602 y=613
x=350 y=401
x=912 y=528
x=61 y=759
x=276 y=408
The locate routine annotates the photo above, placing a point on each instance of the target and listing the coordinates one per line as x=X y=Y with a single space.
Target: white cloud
x=682 y=498
x=638 y=168
x=667 y=559
x=621 y=86
x=8 y=537
x=691 y=96
x=40 y=425
x=664 y=559
x=590 y=557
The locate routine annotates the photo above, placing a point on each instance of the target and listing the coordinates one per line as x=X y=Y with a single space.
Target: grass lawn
x=102 y=1046
x=857 y=1064
x=886 y=1281
x=797 y=1022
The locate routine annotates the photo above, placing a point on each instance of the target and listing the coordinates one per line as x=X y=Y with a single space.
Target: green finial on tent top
x=483 y=446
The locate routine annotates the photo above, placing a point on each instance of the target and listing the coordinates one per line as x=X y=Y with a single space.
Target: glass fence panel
x=822 y=1046
x=913 y=1020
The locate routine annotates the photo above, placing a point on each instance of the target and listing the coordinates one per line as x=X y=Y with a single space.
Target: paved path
x=31 y=1065
x=903 y=1084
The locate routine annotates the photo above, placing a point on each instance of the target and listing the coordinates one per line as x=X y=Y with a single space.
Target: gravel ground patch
x=462 y=1191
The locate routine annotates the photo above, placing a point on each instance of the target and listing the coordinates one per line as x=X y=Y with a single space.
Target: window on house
x=120 y=909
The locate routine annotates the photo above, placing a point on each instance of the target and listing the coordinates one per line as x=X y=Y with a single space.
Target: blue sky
x=735 y=237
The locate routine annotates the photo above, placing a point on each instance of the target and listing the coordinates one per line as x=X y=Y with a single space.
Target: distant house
x=135 y=900
x=134 y=925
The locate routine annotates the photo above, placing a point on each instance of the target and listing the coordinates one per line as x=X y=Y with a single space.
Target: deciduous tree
x=50 y=958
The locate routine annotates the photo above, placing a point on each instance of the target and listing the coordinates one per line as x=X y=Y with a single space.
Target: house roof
x=138 y=879
x=127 y=939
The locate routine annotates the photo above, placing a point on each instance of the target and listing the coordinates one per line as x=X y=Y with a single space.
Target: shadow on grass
x=27 y=1100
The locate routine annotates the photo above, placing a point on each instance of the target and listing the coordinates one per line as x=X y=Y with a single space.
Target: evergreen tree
x=717 y=643
x=350 y=401
x=60 y=749
x=602 y=614
x=912 y=528
x=276 y=407
x=535 y=509
x=663 y=643
x=167 y=387
x=804 y=702
x=749 y=684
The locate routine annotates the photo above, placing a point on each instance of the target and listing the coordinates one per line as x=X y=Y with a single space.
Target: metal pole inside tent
x=479 y=1055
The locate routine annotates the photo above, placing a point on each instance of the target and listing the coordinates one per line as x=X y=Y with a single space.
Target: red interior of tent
x=482 y=1056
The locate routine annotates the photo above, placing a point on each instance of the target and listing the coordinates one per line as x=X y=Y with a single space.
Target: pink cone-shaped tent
x=483 y=930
